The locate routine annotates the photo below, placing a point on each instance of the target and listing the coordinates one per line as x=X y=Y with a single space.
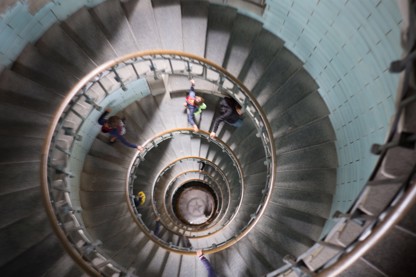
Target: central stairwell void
x=240 y=182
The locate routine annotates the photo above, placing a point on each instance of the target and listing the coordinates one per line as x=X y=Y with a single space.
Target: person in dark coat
x=230 y=113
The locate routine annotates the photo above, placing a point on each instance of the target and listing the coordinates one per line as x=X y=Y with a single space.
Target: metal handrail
x=406 y=197
x=216 y=168
x=213 y=185
x=48 y=202
x=95 y=77
x=183 y=182
x=395 y=214
x=368 y=237
x=150 y=143
x=173 y=186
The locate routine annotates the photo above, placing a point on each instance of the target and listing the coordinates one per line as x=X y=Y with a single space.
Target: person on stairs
x=194 y=104
x=116 y=128
x=206 y=263
x=156 y=229
x=230 y=113
x=140 y=199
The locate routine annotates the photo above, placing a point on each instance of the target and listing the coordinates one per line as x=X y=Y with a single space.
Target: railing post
x=91 y=101
x=298 y=267
x=118 y=78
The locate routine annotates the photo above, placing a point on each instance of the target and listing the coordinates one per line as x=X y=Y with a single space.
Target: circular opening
x=195 y=203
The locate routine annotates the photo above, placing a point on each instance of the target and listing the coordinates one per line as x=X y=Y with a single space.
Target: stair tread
x=188 y=26
x=194 y=26
x=168 y=20
x=37 y=260
x=143 y=24
x=243 y=33
x=91 y=39
x=261 y=55
x=220 y=20
x=112 y=20
x=62 y=48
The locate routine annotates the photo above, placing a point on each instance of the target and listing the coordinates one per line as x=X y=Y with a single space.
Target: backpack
x=190 y=100
x=121 y=129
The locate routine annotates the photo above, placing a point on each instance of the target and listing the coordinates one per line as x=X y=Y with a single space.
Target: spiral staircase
x=67 y=194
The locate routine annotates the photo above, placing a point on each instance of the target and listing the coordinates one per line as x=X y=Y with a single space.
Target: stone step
x=48 y=73
x=262 y=53
x=91 y=40
x=288 y=118
x=38 y=259
x=114 y=24
x=168 y=16
x=243 y=34
x=194 y=26
x=220 y=21
x=60 y=46
x=141 y=17
x=317 y=132
x=282 y=68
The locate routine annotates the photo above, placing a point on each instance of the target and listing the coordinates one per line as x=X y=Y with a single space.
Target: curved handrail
x=192 y=180
x=406 y=197
x=148 y=144
x=217 y=169
x=208 y=162
x=50 y=211
x=213 y=185
x=232 y=156
x=237 y=91
x=173 y=186
x=167 y=135
x=57 y=229
x=394 y=216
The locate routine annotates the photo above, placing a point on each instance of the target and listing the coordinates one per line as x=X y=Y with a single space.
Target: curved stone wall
x=347 y=46
x=23 y=23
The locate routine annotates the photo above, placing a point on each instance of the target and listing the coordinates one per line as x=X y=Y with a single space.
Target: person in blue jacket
x=206 y=263
x=194 y=104
x=114 y=126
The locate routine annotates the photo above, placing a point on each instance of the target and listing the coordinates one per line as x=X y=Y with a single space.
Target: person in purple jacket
x=206 y=263
x=114 y=126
